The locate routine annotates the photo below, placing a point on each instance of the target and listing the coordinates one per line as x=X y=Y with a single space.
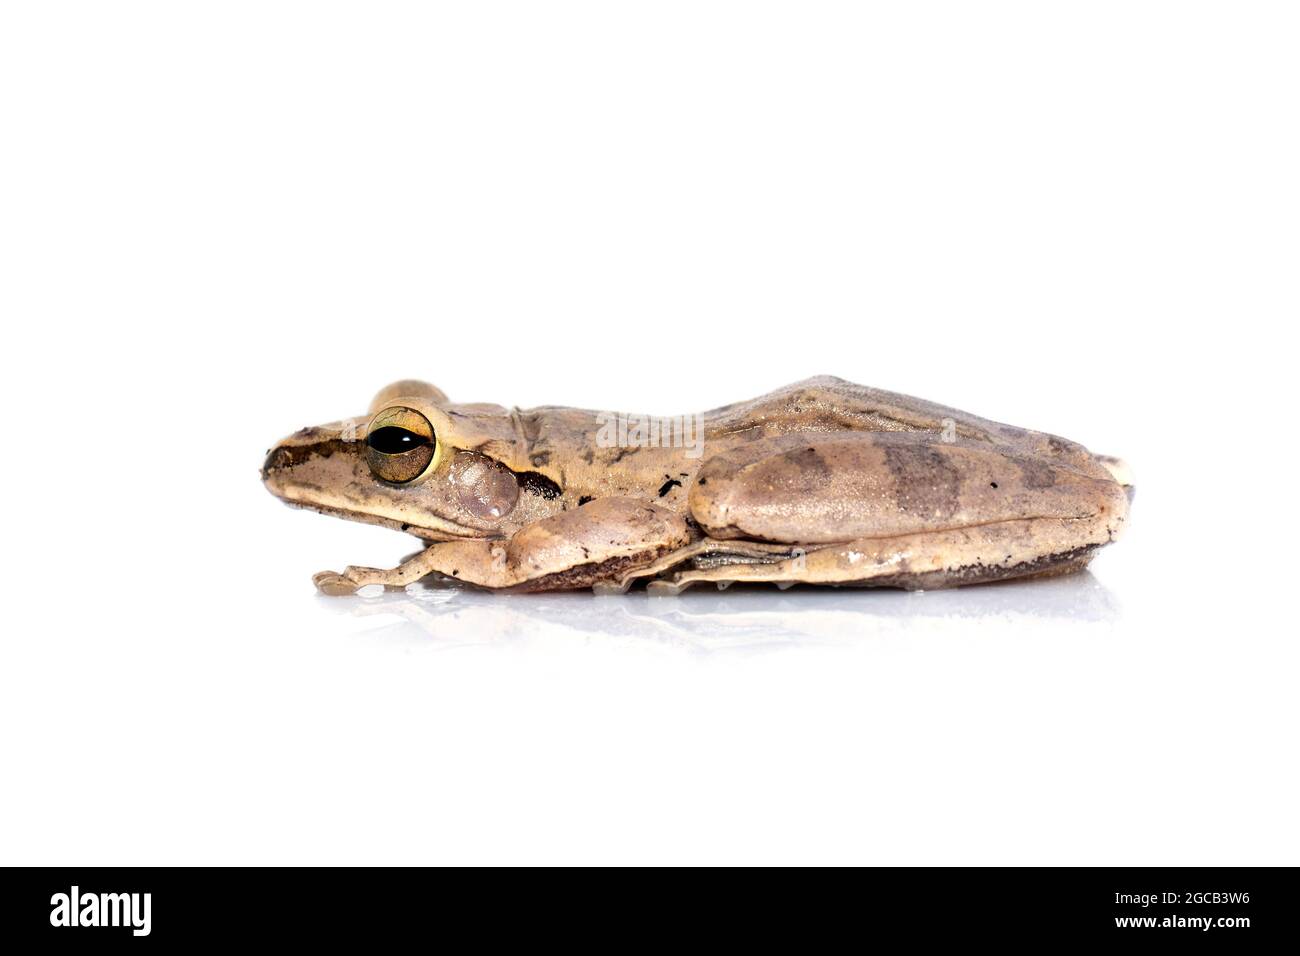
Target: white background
x=222 y=222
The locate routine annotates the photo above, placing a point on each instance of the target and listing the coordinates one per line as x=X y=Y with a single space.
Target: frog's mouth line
x=453 y=533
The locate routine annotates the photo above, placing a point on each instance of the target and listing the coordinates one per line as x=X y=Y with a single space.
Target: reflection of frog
x=820 y=482
x=440 y=615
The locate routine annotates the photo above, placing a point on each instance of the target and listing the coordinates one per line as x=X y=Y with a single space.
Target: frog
x=822 y=482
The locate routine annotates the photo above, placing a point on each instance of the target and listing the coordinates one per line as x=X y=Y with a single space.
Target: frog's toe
x=666 y=587
x=333 y=583
x=1119 y=470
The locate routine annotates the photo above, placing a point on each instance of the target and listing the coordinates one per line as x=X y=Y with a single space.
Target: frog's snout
x=277 y=458
x=299 y=447
x=297 y=465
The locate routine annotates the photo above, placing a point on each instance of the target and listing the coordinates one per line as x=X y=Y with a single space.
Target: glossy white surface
x=220 y=226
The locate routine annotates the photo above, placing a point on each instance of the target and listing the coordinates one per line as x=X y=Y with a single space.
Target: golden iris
x=400 y=444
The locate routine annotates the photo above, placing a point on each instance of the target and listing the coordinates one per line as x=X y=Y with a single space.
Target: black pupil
x=393 y=440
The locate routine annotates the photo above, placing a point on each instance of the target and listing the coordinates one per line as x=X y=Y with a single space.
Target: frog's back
x=826 y=403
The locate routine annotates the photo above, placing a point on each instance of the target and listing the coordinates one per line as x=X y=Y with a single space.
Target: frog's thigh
x=832 y=488
x=927 y=560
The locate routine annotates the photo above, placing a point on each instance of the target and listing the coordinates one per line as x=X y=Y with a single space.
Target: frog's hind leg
x=994 y=552
x=1121 y=472
x=704 y=551
x=899 y=510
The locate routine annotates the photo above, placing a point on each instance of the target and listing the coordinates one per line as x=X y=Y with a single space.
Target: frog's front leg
x=601 y=541
x=441 y=558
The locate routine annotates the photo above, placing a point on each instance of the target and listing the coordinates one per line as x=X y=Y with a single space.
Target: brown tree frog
x=820 y=482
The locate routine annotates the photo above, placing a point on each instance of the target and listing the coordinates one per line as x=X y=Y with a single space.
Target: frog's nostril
x=276 y=458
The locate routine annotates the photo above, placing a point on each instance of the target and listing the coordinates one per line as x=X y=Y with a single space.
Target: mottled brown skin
x=822 y=482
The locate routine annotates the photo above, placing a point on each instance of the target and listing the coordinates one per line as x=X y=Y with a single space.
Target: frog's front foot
x=354 y=578
x=334 y=584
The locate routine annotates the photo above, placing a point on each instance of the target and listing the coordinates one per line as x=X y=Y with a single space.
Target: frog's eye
x=400 y=444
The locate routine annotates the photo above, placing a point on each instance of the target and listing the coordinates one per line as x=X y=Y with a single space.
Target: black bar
x=1225 y=908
